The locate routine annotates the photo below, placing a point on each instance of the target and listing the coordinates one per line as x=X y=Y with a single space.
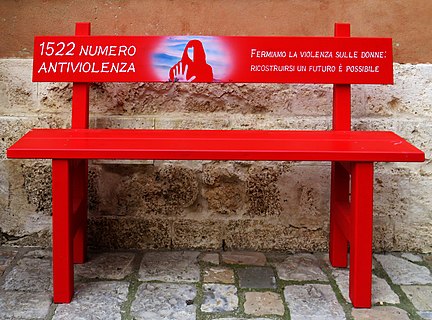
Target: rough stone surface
x=6 y=257
x=263 y=303
x=381 y=313
x=29 y=275
x=402 y=271
x=420 y=296
x=243 y=257
x=211 y=258
x=24 y=305
x=102 y=300
x=381 y=291
x=264 y=235
x=216 y=204
x=196 y=234
x=257 y=278
x=425 y=314
x=122 y=233
x=313 y=302
x=219 y=298
x=411 y=257
x=114 y=266
x=241 y=318
x=300 y=267
x=181 y=266
x=161 y=301
x=218 y=275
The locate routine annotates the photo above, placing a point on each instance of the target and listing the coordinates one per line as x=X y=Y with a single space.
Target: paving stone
x=425 y=314
x=219 y=298
x=164 y=301
x=411 y=257
x=243 y=318
x=263 y=303
x=211 y=258
x=30 y=275
x=420 y=296
x=6 y=257
x=95 y=300
x=381 y=313
x=381 y=291
x=300 y=267
x=39 y=254
x=402 y=271
x=219 y=275
x=24 y=305
x=257 y=277
x=244 y=257
x=114 y=266
x=177 y=266
x=313 y=302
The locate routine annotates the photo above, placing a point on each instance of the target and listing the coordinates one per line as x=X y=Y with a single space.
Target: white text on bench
x=86 y=67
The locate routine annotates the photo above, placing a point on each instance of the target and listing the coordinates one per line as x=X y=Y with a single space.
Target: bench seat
x=367 y=146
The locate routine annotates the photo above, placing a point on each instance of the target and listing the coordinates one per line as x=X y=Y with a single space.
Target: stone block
x=30 y=274
x=114 y=266
x=263 y=303
x=402 y=271
x=382 y=313
x=210 y=258
x=256 y=278
x=6 y=257
x=198 y=234
x=224 y=188
x=305 y=195
x=420 y=296
x=103 y=299
x=218 y=275
x=173 y=266
x=244 y=257
x=18 y=95
x=313 y=301
x=265 y=235
x=219 y=298
x=163 y=301
x=24 y=305
x=413 y=236
x=128 y=233
x=145 y=190
x=381 y=290
x=300 y=267
x=263 y=194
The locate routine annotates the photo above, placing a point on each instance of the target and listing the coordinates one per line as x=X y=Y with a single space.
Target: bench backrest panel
x=340 y=60
x=332 y=60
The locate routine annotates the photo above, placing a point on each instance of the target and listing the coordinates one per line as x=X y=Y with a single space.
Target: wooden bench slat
x=214 y=145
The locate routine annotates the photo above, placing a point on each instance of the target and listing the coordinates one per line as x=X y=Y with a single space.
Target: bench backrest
x=340 y=60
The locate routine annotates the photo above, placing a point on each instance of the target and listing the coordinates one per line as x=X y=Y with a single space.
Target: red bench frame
x=352 y=154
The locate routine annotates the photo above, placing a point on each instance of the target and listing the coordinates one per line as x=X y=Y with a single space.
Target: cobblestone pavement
x=212 y=285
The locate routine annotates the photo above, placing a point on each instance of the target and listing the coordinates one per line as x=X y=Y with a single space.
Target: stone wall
x=211 y=204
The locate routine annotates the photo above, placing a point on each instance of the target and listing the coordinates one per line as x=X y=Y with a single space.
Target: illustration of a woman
x=193 y=66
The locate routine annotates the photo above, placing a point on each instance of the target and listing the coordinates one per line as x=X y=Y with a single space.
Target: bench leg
x=338 y=247
x=361 y=236
x=63 y=276
x=80 y=187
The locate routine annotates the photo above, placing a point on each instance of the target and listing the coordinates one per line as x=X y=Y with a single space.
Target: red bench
x=340 y=60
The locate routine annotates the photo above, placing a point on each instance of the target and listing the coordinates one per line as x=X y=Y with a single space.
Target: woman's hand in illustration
x=180 y=74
